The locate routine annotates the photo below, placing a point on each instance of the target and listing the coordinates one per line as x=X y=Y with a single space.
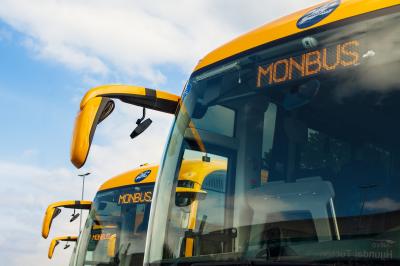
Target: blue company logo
x=316 y=15
x=140 y=177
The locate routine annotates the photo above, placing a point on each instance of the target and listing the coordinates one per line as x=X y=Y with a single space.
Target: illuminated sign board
x=309 y=64
x=138 y=197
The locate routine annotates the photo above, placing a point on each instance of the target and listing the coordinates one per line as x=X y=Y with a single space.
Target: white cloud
x=70 y=56
x=134 y=39
x=31 y=188
x=5 y=35
x=125 y=40
x=383 y=204
x=29 y=153
x=26 y=191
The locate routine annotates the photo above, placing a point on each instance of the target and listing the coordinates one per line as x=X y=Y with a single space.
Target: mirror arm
x=142 y=118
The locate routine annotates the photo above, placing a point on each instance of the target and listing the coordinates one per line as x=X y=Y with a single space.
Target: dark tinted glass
x=312 y=165
x=122 y=214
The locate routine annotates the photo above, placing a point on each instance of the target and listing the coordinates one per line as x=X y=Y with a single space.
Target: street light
x=83 y=190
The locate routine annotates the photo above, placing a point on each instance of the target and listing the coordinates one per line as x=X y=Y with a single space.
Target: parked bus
x=302 y=111
x=115 y=230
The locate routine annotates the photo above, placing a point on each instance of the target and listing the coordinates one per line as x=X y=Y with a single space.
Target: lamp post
x=83 y=190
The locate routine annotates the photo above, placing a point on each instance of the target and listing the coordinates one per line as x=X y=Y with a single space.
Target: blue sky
x=39 y=99
x=29 y=90
x=51 y=52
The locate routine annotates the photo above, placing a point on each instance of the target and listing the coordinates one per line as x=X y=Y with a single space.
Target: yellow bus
x=117 y=219
x=115 y=230
x=302 y=111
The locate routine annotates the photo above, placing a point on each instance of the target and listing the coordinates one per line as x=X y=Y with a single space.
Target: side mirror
x=141 y=125
x=111 y=246
x=57 y=240
x=53 y=210
x=96 y=105
x=186 y=196
x=74 y=217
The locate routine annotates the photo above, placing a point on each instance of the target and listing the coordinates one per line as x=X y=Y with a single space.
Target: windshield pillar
x=250 y=131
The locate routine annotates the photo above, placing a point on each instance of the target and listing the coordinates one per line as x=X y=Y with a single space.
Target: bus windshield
x=307 y=130
x=117 y=221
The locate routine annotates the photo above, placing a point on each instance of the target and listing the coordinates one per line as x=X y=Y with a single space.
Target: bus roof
x=190 y=171
x=287 y=26
x=137 y=176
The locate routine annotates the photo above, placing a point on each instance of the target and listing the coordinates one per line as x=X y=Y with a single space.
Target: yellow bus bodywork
x=55 y=241
x=86 y=122
x=128 y=178
x=286 y=26
x=53 y=210
x=96 y=105
x=141 y=96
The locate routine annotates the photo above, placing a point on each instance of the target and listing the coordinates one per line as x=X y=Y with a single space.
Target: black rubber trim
x=78 y=205
x=336 y=24
x=151 y=102
x=103 y=104
x=151 y=93
x=56 y=212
